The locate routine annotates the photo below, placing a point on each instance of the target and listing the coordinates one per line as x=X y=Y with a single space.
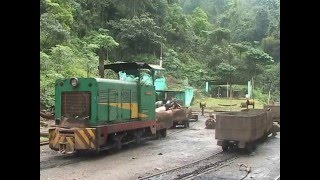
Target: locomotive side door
x=113 y=105
x=125 y=104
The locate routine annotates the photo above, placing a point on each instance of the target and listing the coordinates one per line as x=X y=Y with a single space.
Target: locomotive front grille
x=76 y=104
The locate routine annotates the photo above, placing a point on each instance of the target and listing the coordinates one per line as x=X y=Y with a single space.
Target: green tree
x=101 y=43
x=226 y=72
x=261 y=24
x=52 y=32
x=219 y=34
x=137 y=36
x=271 y=46
x=200 y=22
x=194 y=36
x=270 y=81
x=255 y=59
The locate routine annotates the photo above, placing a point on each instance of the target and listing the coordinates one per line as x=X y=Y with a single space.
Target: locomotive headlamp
x=74 y=82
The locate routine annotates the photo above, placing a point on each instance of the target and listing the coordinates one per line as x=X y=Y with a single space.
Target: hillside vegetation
x=198 y=40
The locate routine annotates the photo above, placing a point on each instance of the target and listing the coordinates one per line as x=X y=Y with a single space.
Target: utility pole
x=227 y=90
x=269 y=93
x=230 y=72
x=161 y=55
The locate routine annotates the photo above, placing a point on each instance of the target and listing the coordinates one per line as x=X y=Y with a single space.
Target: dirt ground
x=180 y=147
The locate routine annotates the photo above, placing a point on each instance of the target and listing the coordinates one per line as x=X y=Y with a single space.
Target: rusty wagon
x=275 y=111
x=242 y=129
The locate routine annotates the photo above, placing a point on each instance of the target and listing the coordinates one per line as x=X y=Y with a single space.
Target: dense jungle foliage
x=200 y=40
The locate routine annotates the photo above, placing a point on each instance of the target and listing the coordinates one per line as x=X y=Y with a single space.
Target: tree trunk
x=134 y=7
x=107 y=56
x=135 y=48
x=252 y=85
x=231 y=91
x=101 y=62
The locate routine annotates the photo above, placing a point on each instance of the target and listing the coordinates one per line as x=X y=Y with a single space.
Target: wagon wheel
x=173 y=125
x=250 y=147
x=274 y=132
x=163 y=132
x=186 y=124
x=265 y=136
x=158 y=134
x=225 y=145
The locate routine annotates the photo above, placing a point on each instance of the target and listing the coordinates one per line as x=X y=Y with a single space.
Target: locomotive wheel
x=96 y=152
x=138 y=139
x=117 y=144
x=138 y=136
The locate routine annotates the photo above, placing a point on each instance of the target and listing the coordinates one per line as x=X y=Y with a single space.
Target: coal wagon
x=275 y=111
x=242 y=129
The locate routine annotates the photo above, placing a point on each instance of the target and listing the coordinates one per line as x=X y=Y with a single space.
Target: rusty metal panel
x=180 y=114
x=275 y=111
x=164 y=117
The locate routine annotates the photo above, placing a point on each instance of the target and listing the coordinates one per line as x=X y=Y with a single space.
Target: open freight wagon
x=182 y=114
x=242 y=129
x=275 y=111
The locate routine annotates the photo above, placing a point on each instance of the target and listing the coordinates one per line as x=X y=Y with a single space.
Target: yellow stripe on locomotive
x=71 y=140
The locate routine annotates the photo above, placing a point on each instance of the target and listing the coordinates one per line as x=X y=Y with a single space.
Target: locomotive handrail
x=122 y=66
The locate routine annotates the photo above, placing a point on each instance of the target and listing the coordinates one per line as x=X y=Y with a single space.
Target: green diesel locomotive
x=98 y=114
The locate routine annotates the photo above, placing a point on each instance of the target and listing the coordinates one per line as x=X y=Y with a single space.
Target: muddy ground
x=180 y=147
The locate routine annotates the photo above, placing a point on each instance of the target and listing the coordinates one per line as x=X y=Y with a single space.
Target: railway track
x=196 y=168
x=59 y=160
x=213 y=167
x=62 y=160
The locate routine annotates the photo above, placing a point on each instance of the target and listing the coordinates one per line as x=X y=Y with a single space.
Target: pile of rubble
x=211 y=121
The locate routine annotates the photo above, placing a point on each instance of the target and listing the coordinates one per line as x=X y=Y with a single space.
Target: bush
x=257 y=94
